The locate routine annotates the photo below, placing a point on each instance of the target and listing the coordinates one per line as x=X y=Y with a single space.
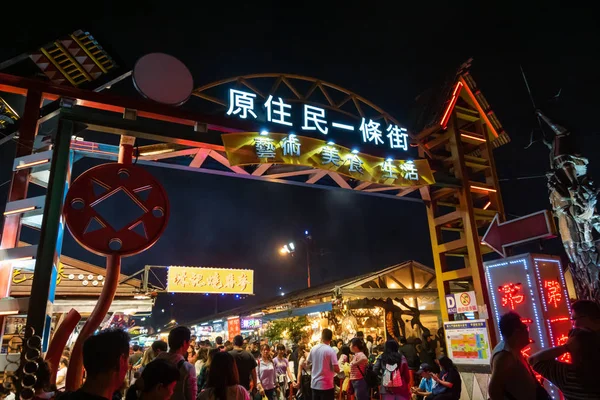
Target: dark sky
x=388 y=54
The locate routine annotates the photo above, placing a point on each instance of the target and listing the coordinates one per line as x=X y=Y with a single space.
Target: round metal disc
x=163 y=78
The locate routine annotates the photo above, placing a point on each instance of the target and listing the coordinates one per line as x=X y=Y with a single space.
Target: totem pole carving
x=573 y=196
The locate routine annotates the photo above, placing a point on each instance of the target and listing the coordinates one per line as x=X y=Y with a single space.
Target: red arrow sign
x=539 y=225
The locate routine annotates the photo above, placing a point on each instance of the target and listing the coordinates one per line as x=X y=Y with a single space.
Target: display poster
x=233 y=327
x=468 y=342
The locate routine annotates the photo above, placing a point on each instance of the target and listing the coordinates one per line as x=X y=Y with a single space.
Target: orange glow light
x=489 y=203
x=453 y=100
x=19 y=210
x=479 y=139
x=483 y=188
x=33 y=164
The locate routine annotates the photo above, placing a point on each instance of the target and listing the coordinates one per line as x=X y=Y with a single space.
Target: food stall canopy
x=296 y=312
x=370 y=293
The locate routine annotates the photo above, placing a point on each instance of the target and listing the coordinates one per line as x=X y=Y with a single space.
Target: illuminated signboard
x=210 y=280
x=256 y=148
x=233 y=327
x=533 y=286
x=249 y=324
x=308 y=118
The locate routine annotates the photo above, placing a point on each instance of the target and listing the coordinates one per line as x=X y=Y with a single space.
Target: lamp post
x=290 y=249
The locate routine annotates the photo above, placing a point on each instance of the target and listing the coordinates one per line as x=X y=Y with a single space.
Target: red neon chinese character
x=553 y=292
x=511 y=295
x=561 y=340
x=525 y=352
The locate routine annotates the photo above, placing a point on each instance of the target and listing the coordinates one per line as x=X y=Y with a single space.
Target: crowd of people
x=184 y=369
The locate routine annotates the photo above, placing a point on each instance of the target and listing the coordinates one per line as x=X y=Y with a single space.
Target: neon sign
x=553 y=292
x=251 y=323
x=511 y=295
x=534 y=286
x=242 y=105
x=264 y=147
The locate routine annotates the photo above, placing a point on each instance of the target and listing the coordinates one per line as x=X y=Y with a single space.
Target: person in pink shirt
x=358 y=369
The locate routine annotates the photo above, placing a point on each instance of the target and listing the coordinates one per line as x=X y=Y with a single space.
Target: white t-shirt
x=323 y=359
x=237 y=392
x=61 y=373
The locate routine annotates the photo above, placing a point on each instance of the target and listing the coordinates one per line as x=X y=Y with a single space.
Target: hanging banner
x=278 y=148
x=210 y=280
x=233 y=327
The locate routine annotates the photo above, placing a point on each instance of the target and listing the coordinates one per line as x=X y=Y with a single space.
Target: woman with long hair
x=395 y=375
x=283 y=371
x=358 y=369
x=223 y=380
x=448 y=381
x=203 y=375
x=157 y=382
x=304 y=371
x=265 y=371
x=201 y=359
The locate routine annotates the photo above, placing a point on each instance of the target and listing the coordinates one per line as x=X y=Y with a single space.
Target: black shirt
x=245 y=364
x=453 y=377
x=79 y=395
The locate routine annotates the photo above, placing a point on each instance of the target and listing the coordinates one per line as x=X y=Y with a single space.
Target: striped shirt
x=565 y=377
x=359 y=361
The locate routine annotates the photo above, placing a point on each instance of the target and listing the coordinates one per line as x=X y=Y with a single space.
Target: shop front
x=400 y=300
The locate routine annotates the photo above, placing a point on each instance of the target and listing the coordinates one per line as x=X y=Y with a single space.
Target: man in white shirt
x=324 y=366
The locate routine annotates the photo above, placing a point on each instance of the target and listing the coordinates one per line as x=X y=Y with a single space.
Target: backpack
x=369 y=376
x=391 y=376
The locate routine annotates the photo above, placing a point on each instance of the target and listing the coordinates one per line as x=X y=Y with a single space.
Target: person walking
x=106 y=362
x=179 y=342
x=224 y=380
x=267 y=379
x=157 y=382
x=358 y=369
x=246 y=364
x=393 y=369
x=303 y=380
x=283 y=371
x=512 y=377
x=324 y=366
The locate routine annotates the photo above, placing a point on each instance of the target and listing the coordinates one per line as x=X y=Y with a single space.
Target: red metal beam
x=110 y=102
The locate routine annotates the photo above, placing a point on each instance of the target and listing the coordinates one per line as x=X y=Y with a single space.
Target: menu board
x=468 y=342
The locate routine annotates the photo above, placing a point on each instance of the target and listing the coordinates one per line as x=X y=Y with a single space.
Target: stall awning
x=376 y=293
x=14 y=306
x=296 y=312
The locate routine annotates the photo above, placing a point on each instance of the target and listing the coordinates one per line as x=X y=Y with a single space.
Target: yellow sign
x=210 y=280
x=277 y=148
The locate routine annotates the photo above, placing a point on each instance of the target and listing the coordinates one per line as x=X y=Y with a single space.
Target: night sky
x=387 y=55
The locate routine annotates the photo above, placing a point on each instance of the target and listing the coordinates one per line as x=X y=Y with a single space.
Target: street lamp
x=290 y=249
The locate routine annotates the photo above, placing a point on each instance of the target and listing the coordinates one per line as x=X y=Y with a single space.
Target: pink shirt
x=359 y=360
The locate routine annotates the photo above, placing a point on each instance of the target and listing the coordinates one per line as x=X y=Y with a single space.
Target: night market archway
x=454 y=136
